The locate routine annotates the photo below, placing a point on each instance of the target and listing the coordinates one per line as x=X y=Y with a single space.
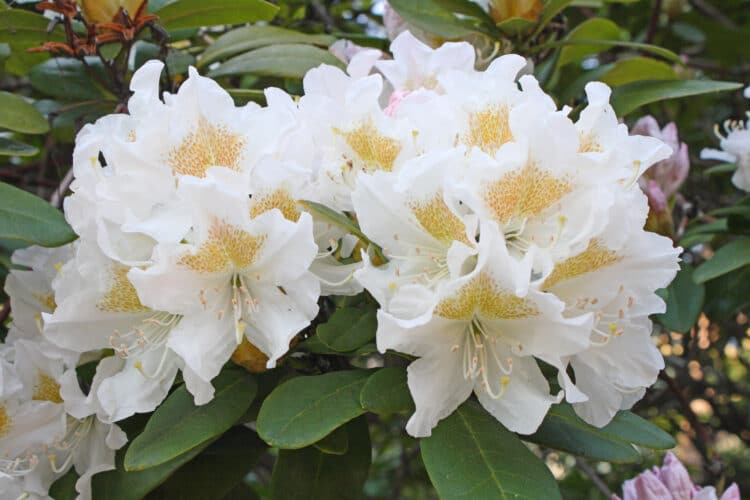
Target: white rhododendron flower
x=502 y=240
x=735 y=148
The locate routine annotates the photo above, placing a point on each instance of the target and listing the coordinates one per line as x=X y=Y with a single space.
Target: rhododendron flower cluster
x=502 y=239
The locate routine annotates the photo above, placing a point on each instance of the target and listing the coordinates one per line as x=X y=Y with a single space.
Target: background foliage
x=669 y=58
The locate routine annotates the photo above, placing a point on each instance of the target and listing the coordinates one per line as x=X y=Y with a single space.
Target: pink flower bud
x=675 y=477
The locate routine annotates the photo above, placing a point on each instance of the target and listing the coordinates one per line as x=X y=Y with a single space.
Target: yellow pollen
x=46 y=300
x=588 y=143
x=438 y=220
x=5 y=421
x=46 y=389
x=375 y=150
x=489 y=129
x=226 y=248
x=482 y=297
x=280 y=199
x=121 y=296
x=206 y=146
x=596 y=256
x=523 y=193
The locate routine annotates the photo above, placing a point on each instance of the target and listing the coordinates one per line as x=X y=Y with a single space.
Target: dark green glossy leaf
x=634 y=68
x=120 y=484
x=28 y=219
x=248 y=38
x=386 y=392
x=336 y=443
x=217 y=470
x=65 y=487
x=9 y=147
x=563 y=430
x=184 y=14
x=291 y=60
x=471 y=455
x=304 y=410
x=349 y=328
x=583 y=40
x=430 y=16
x=730 y=257
x=551 y=9
x=178 y=426
x=309 y=474
x=629 y=427
x=20 y=116
x=684 y=301
x=630 y=97
x=67 y=79
x=24 y=29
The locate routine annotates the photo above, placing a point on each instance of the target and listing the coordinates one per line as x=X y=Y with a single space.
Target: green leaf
x=631 y=428
x=632 y=70
x=309 y=474
x=66 y=79
x=321 y=211
x=336 y=443
x=20 y=116
x=386 y=392
x=178 y=426
x=431 y=17
x=721 y=305
x=29 y=219
x=515 y=25
x=563 y=430
x=724 y=168
x=24 y=29
x=196 y=13
x=349 y=328
x=217 y=470
x=248 y=38
x=291 y=60
x=684 y=301
x=120 y=484
x=243 y=96
x=9 y=147
x=732 y=256
x=65 y=487
x=584 y=40
x=304 y=410
x=471 y=455
x=630 y=97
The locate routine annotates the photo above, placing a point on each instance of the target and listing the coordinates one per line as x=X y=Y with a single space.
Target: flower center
x=596 y=256
x=226 y=248
x=281 y=199
x=121 y=296
x=6 y=423
x=206 y=146
x=375 y=150
x=489 y=129
x=478 y=354
x=439 y=220
x=47 y=389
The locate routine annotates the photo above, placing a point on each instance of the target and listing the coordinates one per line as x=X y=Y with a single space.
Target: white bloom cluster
x=512 y=236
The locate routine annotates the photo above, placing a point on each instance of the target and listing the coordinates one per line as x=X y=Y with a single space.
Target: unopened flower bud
x=500 y=10
x=104 y=11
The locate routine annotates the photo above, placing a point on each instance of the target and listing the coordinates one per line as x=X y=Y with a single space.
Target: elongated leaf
x=632 y=69
x=20 y=116
x=309 y=474
x=630 y=97
x=24 y=29
x=631 y=428
x=471 y=455
x=248 y=38
x=721 y=305
x=684 y=301
x=341 y=220
x=563 y=430
x=430 y=16
x=304 y=410
x=218 y=469
x=65 y=487
x=184 y=14
x=290 y=60
x=386 y=392
x=25 y=218
x=584 y=39
x=732 y=256
x=66 y=79
x=604 y=44
x=178 y=426
x=120 y=484
x=336 y=443
x=9 y=147
x=349 y=328
x=243 y=96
